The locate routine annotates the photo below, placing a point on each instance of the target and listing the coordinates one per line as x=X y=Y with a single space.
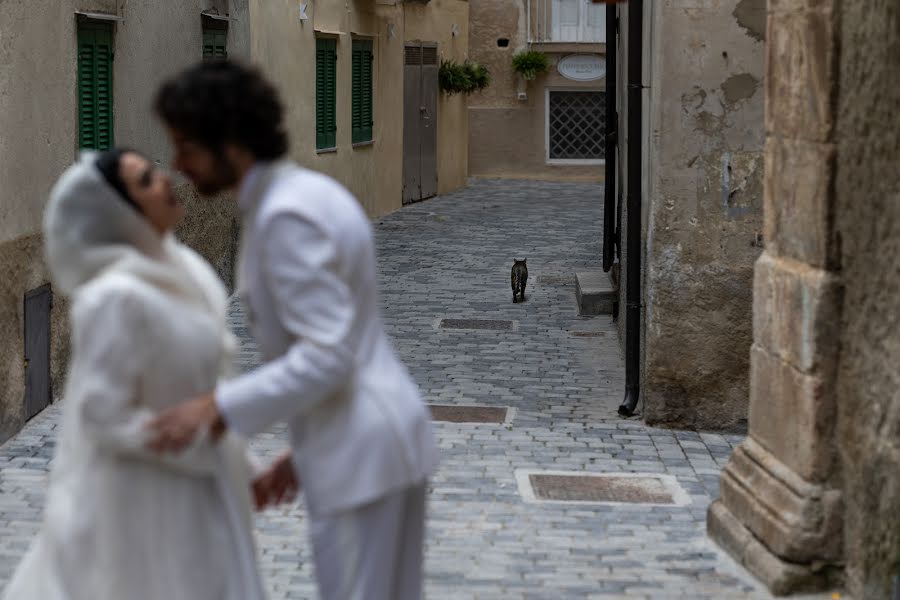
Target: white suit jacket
x=307 y=274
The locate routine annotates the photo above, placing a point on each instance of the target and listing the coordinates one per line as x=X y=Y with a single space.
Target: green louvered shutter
x=215 y=44
x=362 y=91
x=326 y=93
x=95 y=91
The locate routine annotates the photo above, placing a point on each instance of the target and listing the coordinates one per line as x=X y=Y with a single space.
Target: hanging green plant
x=466 y=78
x=529 y=64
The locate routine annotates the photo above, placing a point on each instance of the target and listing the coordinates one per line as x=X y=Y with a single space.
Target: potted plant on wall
x=530 y=63
x=465 y=78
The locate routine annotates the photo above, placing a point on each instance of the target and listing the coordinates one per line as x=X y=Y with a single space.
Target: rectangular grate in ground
x=556 y=279
x=470 y=414
x=588 y=334
x=483 y=324
x=574 y=487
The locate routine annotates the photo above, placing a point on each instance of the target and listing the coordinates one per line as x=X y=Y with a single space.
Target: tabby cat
x=519 y=279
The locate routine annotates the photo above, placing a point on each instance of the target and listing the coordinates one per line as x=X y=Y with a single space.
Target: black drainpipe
x=633 y=277
x=612 y=124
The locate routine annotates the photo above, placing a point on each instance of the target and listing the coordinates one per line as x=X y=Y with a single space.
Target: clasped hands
x=175 y=428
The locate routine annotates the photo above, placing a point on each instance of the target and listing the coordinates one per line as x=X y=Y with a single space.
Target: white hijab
x=89 y=229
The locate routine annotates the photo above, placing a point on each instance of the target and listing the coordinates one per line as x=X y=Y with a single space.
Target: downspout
x=612 y=123
x=633 y=257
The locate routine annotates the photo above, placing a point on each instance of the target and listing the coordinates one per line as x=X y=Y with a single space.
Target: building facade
x=81 y=74
x=359 y=81
x=553 y=126
x=813 y=494
x=688 y=204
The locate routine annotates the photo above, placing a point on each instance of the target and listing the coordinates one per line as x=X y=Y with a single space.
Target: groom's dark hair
x=222 y=101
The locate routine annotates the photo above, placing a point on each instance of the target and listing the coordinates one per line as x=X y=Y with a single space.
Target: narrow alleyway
x=449 y=258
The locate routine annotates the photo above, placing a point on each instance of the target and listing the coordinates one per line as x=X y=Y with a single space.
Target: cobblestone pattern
x=450 y=258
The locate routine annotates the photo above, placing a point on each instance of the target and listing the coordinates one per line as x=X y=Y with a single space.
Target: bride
x=148 y=330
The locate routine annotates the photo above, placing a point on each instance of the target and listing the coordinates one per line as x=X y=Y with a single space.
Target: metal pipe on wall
x=633 y=256
x=612 y=125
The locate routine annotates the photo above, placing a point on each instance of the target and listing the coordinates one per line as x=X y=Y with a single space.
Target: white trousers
x=373 y=552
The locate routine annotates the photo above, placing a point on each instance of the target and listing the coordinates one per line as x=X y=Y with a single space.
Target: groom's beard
x=223 y=177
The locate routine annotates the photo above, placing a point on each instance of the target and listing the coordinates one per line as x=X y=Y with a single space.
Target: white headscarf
x=89 y=229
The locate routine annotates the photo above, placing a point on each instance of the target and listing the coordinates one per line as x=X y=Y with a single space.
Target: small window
x=326 y=93
x=503 y=43
x=577 y=21
x=363 y=122
x=576 y=126
x=95 y=85
x=215 y=39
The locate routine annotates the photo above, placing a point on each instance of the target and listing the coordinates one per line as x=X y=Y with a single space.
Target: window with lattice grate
x=576 y=126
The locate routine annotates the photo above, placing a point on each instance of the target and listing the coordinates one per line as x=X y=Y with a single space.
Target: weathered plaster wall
x=37 y=96
x=38 y=91
x=23 y=270
x=868 y=223
x=284 y=47
x=507 y=136
x=704 y=210
x=211 y=225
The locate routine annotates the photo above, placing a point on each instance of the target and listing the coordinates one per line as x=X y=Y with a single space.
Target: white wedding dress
x=148 y=331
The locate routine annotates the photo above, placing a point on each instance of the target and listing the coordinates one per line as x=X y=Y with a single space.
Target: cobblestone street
x=449 y=258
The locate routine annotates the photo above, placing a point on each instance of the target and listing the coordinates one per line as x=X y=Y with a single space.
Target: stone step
x=595 y=292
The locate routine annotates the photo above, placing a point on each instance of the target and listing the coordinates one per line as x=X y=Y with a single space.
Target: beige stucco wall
x=284 y=47
x=434 y=22
x=508 y=136
x=38 y=118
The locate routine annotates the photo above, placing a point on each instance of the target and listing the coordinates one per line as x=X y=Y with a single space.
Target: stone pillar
x=780 y=512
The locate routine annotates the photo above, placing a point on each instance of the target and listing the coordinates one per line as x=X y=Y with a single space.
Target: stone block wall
x=867 y=225
x=812 y=497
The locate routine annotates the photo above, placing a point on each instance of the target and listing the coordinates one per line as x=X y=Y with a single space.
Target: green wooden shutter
x=215 y=44
x=363 y=58
x=95 y=91
x=326 y=93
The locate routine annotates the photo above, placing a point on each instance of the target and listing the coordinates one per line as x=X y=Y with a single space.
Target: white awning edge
x=99 y=16
x=217 y=17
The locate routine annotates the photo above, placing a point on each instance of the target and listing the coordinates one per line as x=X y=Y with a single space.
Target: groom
x=360 y=436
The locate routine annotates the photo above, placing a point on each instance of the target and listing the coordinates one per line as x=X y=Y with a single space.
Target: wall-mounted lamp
x=390 y=31
x=454 y=30
x=303 y=15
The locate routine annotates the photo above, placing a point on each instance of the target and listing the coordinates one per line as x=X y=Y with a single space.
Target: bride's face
x=151 y=190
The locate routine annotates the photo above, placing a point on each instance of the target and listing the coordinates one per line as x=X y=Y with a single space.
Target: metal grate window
x=576 y=123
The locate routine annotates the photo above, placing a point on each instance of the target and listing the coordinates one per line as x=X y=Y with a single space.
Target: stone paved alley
x=450 y=258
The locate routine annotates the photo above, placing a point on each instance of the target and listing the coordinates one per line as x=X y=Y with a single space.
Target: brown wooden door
x=420 y=92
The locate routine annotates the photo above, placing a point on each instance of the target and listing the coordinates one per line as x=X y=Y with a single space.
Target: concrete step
x=595 y=292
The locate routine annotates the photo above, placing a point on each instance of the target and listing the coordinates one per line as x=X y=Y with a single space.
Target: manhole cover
x=556 y=279
x=469 y=414
x=603 y=488
x=488 y=324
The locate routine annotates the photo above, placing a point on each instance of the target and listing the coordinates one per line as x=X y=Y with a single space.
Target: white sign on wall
x=582 y=67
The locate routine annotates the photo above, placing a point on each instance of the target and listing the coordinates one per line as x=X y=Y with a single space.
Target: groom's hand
x=277 y=484
x=174 y=429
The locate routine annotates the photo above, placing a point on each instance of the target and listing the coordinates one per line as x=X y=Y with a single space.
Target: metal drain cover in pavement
x=556 y=279
x=469 y=414
x=487 y=324
x=600 y=488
